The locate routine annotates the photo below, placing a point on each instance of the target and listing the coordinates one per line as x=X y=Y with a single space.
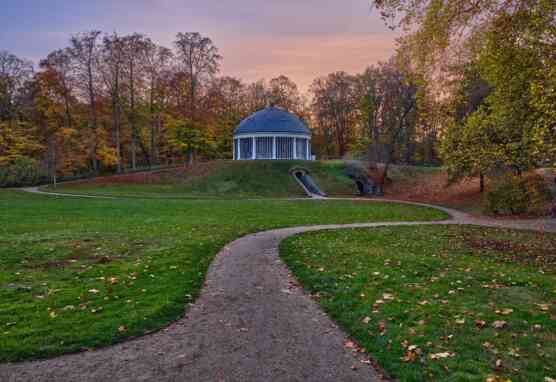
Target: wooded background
x=472 y=86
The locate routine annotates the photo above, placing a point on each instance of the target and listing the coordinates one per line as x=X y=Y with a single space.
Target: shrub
x=514 y=195
x=22 y=172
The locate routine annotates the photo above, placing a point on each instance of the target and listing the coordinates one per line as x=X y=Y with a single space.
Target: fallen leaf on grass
x=442 y=355
x=411 y=354
x=497 y=379
x=94 y=291
x=122 y=329
x=504 y=312
x=409 y=357
x=480 y=324
x=349 y=345
x=460 y=321
x=499 y=324
x=382 y=327
x=543 y=307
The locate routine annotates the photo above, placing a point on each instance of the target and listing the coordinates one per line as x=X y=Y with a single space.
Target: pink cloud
x=303 y=58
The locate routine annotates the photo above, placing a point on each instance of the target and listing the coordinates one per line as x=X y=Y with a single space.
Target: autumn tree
x=111 y=68
x=258 y=95
x=185 y=137
x=284 y=92
x=199 y=60
x=84 y=50
x=229 y=100
x=14 y=73
x=58 y=66
x=335 y=108
x=158 y=64
x=369 y=104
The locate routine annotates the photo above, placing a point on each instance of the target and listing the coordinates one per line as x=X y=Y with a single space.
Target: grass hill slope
x=220 y=179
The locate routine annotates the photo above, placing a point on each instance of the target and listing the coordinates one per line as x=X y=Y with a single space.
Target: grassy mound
x=224 y=179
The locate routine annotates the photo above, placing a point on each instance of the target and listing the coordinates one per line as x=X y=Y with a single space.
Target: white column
x=294 y=148
x=308 y=156
x=234 y=149
x=274 y=148
x=239 y=149
x=254 y=148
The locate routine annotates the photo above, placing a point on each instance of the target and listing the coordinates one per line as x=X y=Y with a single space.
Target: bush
x=22 y=172
x=514 y=195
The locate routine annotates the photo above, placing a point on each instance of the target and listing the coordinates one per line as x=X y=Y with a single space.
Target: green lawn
x=223 y=179
x=438 y=303
x=82 y=273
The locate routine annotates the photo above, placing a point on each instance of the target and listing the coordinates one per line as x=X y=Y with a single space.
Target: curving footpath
x=252 y=322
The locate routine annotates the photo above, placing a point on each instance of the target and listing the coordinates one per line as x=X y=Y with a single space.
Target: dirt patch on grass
x=538 y=250
x=433 y=187
x=68 y=262
x=162 y=176
x=84 y=252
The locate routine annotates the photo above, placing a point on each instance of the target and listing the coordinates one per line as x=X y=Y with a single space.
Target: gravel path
x=252 y=322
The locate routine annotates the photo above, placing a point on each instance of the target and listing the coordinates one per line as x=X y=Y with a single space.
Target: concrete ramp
x=304 y=179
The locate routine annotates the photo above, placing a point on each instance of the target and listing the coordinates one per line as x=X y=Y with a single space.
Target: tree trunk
x=153 y=123
x=133 y=154
x=94 y=149
x=118 y=149
x=132 y=121
x=92 y=103
x=190 y=157
x=52 y=165
x=374 y=147
x=116 y=123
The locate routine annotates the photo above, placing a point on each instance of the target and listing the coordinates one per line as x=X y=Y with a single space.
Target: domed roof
x=272 y=120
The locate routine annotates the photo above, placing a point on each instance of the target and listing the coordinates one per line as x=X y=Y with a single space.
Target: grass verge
x=438 y=303
x=82 y=273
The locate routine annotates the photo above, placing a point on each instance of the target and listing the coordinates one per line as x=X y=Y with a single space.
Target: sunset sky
x=259 y=39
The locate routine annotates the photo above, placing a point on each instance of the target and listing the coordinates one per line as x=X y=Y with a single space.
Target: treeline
x=109 y=103
x=472 y=85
